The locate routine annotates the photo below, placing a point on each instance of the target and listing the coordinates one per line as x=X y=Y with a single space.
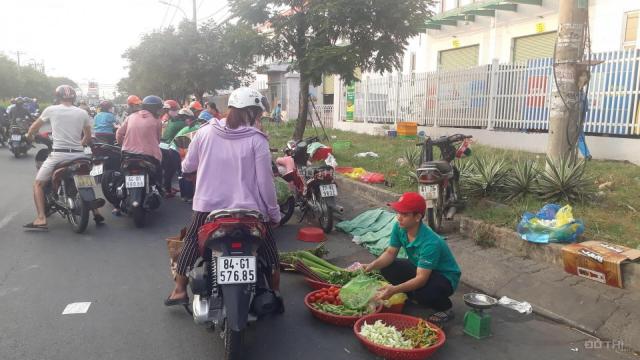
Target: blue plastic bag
x=550 y=225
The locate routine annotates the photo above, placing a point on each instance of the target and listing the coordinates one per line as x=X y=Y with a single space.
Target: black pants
x=190 y=252
x=170 y=166
x=435 y=294
x=106 y=138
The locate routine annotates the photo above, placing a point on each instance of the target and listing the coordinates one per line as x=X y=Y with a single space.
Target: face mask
x=173 y=113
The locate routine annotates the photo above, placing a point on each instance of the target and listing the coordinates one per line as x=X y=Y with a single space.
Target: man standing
x=71 y=130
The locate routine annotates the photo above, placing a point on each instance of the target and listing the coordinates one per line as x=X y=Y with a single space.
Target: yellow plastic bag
x=356 y=173
x=397 y=299
x=564 y=216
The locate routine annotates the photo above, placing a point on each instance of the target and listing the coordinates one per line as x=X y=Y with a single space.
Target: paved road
x=123 y=272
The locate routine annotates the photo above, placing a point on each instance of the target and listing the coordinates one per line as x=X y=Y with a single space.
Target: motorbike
x=19 y=144
x=132 y=187
x=439 y=179
x=71 y=190
x=314 y=187
x=231 y=284
x=106 y=168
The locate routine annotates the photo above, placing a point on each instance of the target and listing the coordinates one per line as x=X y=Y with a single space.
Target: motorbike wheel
x=109 y=184
x=139 y=215
x=435 y=214
x=325 y=216
x=233 y=344
x=16 y=153
x=79 y=217
x=287 y=209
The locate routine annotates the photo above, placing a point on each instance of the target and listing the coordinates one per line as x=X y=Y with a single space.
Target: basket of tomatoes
x=326 y=305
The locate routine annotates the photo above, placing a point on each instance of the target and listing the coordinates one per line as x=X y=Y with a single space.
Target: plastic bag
x=372 y=178
x=356 y=173
x=358 y=292
x=550 y=224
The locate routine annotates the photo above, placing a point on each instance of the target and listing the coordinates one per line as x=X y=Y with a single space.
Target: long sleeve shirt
x=140 y=134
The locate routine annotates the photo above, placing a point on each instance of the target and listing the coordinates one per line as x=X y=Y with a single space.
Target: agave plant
x=487 y=178
x=412 y=157
x=564 y=180
x=521 y=180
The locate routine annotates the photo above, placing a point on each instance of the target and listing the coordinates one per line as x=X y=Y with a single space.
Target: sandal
x=31 y=226
x=440 y=318
x=99 y=219
x=173 y=302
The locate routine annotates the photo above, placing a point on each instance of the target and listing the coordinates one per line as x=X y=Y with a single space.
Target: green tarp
x=372 y=229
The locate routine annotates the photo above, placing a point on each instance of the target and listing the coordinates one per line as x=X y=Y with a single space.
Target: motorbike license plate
x=84 y=181
x=134 y=181
x=16 y=137
x=328 y=190
x=97 y=170
x=237 y=270
x=429 y=192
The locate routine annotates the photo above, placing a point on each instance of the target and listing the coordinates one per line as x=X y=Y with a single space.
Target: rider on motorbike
x=243 y=152
x=174 y=122
x=105 y=123
x=19 y=112
x=71 y=130
x=133 y=104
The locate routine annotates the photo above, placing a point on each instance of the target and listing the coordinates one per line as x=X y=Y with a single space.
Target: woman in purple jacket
x=233 y=164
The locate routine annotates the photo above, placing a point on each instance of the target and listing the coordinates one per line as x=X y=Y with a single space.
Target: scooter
x=106 y=169
x=19 y=144
x=439 y=179
x=314 y=186
x=231 y=284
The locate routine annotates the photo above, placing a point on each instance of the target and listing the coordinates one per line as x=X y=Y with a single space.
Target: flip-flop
x=174 y=302
x=440 y=318
x=31 y=226
x=99 y=219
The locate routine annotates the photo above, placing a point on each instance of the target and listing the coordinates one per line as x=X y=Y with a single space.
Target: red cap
x=410 y=202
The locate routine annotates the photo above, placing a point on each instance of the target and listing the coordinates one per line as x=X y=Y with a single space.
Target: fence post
x=365 y=87
x=437 y=93
x=397 y=105
x=493 y=93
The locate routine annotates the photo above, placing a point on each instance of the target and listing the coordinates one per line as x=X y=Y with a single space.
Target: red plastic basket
x=394 y=309
x=318 y=285
x=400 y=322
x=331 y=318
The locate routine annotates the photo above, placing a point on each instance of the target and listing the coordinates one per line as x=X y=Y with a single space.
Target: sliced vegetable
x=385 y=335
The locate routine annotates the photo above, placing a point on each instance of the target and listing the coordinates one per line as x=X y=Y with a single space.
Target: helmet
x=171 y=105
x=186 y=113
x=105 y=105
x=133 y=100
x=65 y=92
x=152 y=103
x=245 y=97
x=19 y=100
x=195 y=105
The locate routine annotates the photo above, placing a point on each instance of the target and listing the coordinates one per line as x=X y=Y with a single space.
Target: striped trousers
x=190 y=253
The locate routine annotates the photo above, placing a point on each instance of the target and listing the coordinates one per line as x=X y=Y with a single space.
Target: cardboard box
x=598 y=261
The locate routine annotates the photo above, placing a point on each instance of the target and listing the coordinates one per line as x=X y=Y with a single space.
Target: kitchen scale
x=477 y=323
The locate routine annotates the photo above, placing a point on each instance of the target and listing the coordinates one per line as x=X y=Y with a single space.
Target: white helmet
x=186 y=112
x=245 y=97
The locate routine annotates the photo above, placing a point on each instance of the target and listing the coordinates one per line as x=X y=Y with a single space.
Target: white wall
x=605 y=148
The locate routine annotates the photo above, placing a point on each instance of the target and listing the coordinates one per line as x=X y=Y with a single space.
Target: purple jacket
x=234 y=170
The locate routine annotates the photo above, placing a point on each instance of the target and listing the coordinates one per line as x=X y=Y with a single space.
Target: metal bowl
x=479 y=301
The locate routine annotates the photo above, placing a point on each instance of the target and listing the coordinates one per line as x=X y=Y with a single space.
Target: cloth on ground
x=372 y=229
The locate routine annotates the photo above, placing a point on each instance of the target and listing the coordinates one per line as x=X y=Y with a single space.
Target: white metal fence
x=507 y=96
x=324 y=112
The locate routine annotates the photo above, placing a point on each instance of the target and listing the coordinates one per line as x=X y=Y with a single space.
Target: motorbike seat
x=442 y=166
x=234 y=213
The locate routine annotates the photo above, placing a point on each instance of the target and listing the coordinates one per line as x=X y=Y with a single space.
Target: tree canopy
x=26 y=81
x=174 y=63
x=335 y=36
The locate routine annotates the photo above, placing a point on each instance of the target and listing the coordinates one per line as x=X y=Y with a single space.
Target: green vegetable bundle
x=341 y=310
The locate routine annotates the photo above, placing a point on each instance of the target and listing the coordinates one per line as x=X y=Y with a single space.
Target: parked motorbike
x=71 y=190
x=315 y=190
x=231 y=285
x=106 y=169
x=439 y=179
x=132 y=186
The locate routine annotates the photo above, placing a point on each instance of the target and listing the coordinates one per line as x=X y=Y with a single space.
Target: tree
x=8 y=77
x=335 y=36
x=176 y=62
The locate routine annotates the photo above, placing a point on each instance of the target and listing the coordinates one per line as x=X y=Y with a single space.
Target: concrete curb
x=611 y=323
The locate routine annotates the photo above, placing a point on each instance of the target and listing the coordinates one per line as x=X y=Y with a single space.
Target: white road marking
x=76 y=308
x=6 y=219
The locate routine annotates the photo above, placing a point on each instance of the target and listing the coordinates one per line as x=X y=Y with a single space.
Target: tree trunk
x=303 y=108
x=565 y=102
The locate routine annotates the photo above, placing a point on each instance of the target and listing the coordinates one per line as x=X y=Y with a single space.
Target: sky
x=84 y=39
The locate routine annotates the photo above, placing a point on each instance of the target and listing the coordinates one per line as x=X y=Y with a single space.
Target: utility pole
x=565 y=110
x=195 y=18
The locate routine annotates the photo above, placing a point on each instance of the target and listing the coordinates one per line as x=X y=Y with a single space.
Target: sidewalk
x=602 y=311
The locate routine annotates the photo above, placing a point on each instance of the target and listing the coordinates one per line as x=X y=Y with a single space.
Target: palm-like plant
x=487 y=178
x=412 y=157
x=521 y=180
x=564 y=180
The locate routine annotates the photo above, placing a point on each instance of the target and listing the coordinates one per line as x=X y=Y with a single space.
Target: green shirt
x=427 y=251
x=185 y=130
x=173 y=127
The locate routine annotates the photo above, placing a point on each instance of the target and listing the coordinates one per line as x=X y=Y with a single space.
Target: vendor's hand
x=367 y=267
x=385 y=292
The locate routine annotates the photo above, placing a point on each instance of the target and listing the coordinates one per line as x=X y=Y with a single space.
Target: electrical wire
x=166 y=12
x=175 y=11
